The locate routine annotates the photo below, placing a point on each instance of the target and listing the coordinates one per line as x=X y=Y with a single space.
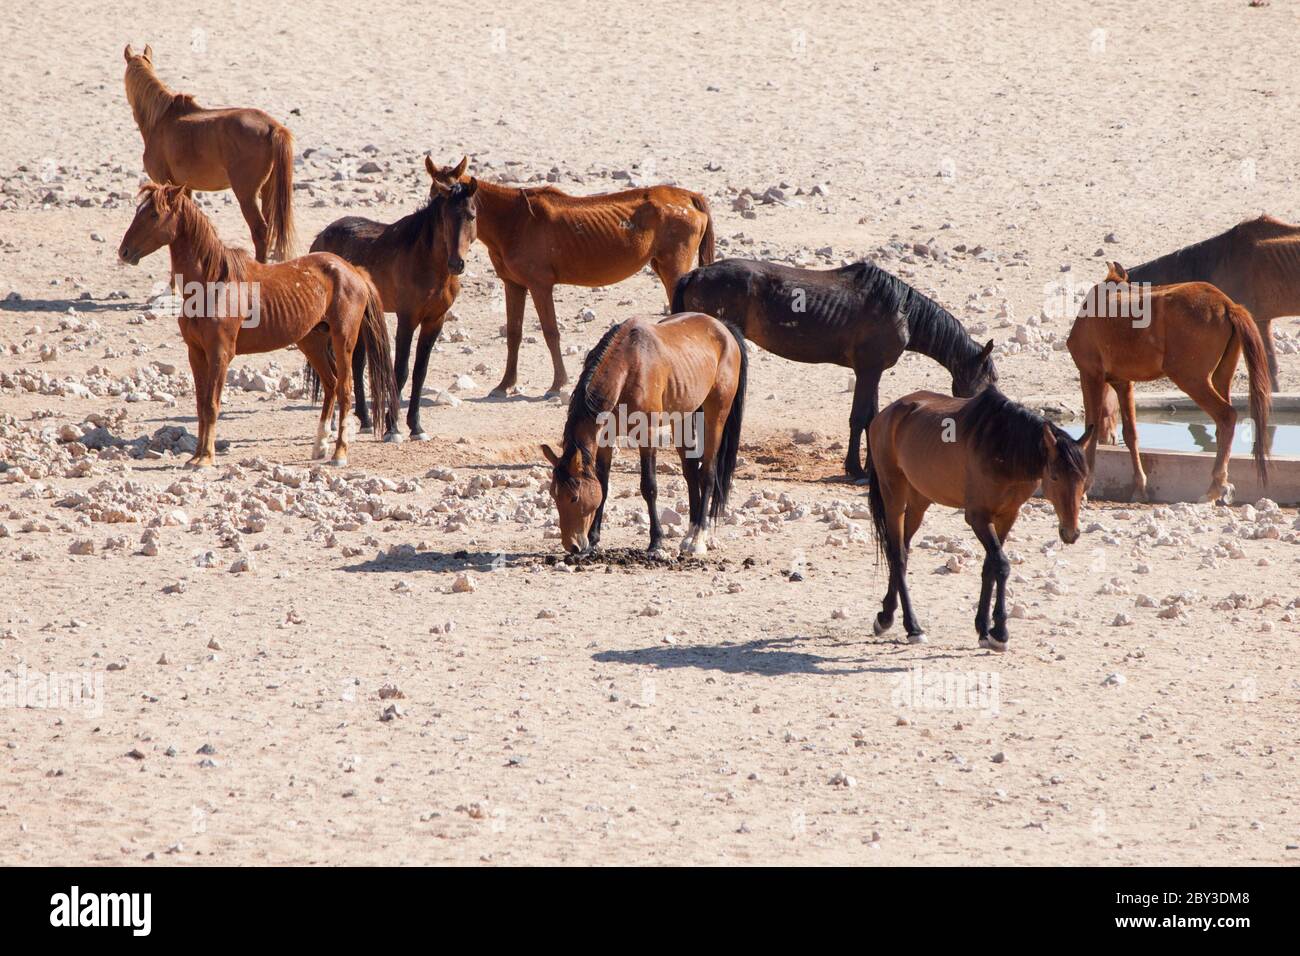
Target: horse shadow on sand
x=772 y=657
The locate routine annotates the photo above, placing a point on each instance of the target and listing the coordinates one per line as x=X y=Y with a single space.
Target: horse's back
x=350 y=237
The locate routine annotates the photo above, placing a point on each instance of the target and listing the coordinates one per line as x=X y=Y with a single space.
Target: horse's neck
x=151 y=91
x=193 y=259
x=944 y=340
x=498 y=207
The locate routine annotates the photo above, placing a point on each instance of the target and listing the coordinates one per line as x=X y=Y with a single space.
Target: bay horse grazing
x=689 y=369
x=540 y=237
x=416 y=264
x=234 y=305
x=243 y=150
x=986 y=455
x=858 y=316
x=1191 y=333
x=1256 y=264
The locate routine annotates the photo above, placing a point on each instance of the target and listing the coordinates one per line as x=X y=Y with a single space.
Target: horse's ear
x=127 y=54
x=1116 y=272
x=429 y=167
x=148 y=52
x=1087 y=434
x=987 y=350
x=551 y=456
x=170 y=193
x=459 y=171
x=1049 y=439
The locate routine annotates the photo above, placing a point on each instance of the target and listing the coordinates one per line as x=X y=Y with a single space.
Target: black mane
x=1194 y=263
x=585 y=404
x=932 y=329
x=1013 y=435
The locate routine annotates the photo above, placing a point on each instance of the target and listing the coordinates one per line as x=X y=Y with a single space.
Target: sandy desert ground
x=286 y=668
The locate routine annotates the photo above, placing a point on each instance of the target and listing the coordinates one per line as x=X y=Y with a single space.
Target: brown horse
x=986 y=455
x=687 y=371
x=1191 y=333
x=233 y=305
x=858 y=316
x=201 y=149
x=416 y=264
x=539 y=238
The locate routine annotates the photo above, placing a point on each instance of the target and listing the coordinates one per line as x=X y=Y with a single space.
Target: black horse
x=858 y=316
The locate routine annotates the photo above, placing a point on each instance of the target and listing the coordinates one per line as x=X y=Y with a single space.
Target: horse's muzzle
x=456 y=266
x=1069 y=535
x=127 y=256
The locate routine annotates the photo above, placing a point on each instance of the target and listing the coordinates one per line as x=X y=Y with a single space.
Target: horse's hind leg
x=696 y=541
x=344 y=339
x=359 y=389
x=866 y=390
x=246 y=194
x=1204 y=394
x=1128 y=415
x=896 y=495
x=315 y=349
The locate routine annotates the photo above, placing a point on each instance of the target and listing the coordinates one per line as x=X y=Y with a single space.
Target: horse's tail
x=1261 y=399
x=373 y=341
x=706 y=243
x=876 y=502
x=280 y=235
x=725 y=467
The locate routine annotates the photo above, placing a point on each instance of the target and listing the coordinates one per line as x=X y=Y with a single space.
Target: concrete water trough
x=1177 y=446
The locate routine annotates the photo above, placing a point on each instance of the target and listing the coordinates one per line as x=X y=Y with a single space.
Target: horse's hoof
x=501 y=391
x=993 y=644
x=1140 y=496
x=984 y=642
x=365 y=429
x=338 y=461
x=658 y=554
x=918 y=638
x=394 y=437
x=880 y=626
x=1224 y=496
x=419 y=436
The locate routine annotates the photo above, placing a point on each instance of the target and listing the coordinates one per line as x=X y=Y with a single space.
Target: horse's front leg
x=995 y=570
x=544 y=301
x=199 y=369
x=516 y=299
x=429 y=330
x=650 y=492
x=604 y=455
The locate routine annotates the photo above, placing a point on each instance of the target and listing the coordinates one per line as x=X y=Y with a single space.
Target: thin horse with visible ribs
x=858 y=316
x=416 y=263
x=243 y=150
x=540 y=237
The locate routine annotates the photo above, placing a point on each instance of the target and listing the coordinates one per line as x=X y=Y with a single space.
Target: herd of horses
x=977 y=450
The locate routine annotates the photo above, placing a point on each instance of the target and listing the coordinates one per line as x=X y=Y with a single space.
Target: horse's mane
x=149 y=97
x=1198 y=261
x=421 y=226
x=217 y=261
x=932 y=329
x=586 y=402
x=1013 y=435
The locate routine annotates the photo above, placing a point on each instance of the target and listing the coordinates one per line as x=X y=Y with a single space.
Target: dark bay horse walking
x=243 y=150
x=986 y=455
x=684 y=371
x=1256 y=264
x=234 y=305
x=416 y=263
x=858 y=316
x=540 y=237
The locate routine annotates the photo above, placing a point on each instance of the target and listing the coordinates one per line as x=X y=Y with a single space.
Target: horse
x=690 y=369
x=211 y=149
x=234 y=305
x=986 y=455
x=541 y=237
x=858 y=316
x=1191 y=333
x=1256 y=264
x=416 y=263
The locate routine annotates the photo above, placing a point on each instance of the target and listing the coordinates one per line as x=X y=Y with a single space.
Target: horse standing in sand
x=986 y=455
x=538 y=238
x=416 y=264
x=235 y=306
x=243 y=150
x=691 y=367
x=1191 y=333
x=858 y=316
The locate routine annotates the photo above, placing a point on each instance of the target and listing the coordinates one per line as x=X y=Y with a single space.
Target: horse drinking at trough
x=1191 y=333
x=986 y=455
x=689 y=367
x=540 y=237
x=858 y=316
x=318 y=302
x=243 y=150
x=416 y=264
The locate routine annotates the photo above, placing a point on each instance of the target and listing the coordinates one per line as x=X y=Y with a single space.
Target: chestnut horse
x=416 y=264
x=539 y=238
x=211 y=149
x=234 y=305
x=986 y=455
x=688 y=368
x=858 y=316
x=1193 y=334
